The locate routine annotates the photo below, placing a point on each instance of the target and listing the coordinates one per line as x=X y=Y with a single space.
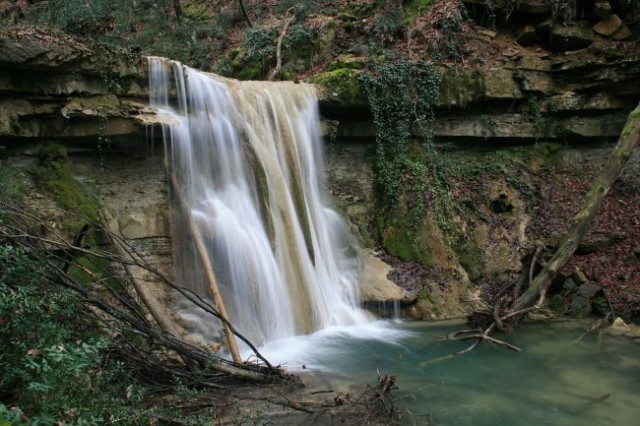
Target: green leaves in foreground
x=52 y=363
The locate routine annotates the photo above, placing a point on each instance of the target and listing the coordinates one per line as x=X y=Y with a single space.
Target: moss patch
x=460 y=88
x=414 y=8
x=470 y=257
x=347 y=62
x=399 y=240
x=55 y=177
x=11 y=185
x=343 y=83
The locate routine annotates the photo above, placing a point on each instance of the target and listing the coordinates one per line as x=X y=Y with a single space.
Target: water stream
x=555 y=380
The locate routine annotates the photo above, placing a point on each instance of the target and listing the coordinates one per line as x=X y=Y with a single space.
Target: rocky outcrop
x=524 y=96
x=55 y=86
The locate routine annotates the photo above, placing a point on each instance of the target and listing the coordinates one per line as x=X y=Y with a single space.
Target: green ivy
x=401 y=94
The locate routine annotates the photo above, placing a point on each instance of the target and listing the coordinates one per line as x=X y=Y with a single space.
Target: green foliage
x=389 y=23
x=304 y=8
x=344 y=82
x=51 y=362
x=79 y=15
x=414 y=8
x=11 y=185
x=257 y=54
x=401 y=95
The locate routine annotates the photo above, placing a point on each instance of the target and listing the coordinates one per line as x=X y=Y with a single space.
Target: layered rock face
x=92 y=100
x=542 y=76
x=54 y=86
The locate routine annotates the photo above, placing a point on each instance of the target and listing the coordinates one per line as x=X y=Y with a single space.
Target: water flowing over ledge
x=247 y=157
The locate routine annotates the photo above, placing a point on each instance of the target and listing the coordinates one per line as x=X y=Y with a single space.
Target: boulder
x=374 y=284
x=527 y=36
x=622 y=33
x=618 y=328
x=608 y=27
x=533 y=7
x=565 y=38
x=581 y=300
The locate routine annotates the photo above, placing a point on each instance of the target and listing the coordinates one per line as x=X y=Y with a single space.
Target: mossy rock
x=343 y=85
x=248 y=70
x=55 y=177
x=347 y=62
x=470 y=258
x=460 y=88
x=398 y=239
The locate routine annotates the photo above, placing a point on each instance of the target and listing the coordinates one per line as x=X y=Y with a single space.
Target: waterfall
x=247 y=159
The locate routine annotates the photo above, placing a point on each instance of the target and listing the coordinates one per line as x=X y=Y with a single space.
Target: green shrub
x=11 y=185
x=51 y=359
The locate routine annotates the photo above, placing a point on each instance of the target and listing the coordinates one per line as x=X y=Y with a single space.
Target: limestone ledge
x=527 y=94
x=55 y=86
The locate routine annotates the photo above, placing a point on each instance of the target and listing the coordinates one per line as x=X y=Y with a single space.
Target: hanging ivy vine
x=401 y=94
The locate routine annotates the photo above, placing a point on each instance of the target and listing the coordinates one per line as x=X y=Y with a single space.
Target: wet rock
x=565 y=38
x=608 y=27
x=527 y=36
x=581 y=301
x=374 y=284
x=618 y=328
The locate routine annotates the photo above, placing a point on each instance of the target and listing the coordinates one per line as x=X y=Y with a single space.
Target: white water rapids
x=247 y=157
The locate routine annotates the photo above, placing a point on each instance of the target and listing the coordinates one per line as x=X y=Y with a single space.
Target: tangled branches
x=159 y=356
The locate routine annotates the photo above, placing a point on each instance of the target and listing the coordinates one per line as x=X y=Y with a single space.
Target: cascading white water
x=247 y=157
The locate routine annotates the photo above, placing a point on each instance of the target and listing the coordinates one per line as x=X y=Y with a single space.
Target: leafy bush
x=51 y=360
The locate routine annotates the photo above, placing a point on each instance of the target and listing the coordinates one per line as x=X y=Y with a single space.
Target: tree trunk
x=209 y=274
x=135 y=274
x=582 y=221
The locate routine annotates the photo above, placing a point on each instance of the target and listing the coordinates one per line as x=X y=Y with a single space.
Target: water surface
x=555 y=380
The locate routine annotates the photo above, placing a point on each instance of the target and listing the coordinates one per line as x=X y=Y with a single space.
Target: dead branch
x=159 y=357
x=244 y=13
x=534 y=296
x=283 y=32
x=208 y=269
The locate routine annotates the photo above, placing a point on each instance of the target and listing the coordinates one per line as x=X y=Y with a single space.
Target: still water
x=557 y=379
